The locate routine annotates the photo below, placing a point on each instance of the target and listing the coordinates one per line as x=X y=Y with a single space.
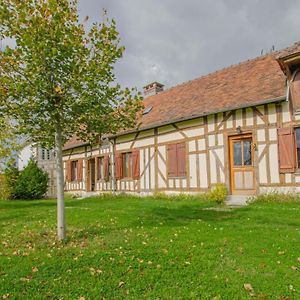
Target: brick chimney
x=153 y=89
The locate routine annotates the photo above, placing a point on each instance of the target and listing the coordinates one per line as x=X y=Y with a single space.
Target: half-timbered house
x=239 y=126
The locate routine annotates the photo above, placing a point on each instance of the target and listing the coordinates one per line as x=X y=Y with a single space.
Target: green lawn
x=147 y=248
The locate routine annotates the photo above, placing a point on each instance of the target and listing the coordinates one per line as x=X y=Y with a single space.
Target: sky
x=174 y=41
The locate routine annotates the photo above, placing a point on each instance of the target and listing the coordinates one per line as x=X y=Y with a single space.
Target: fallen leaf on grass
x=121 y=283
x=26 y=279
x=95 y=271
x=248 y=287
x=294 y=268
x=298 y=259
x=34 y=269
x=6 y=296
x=291 y=287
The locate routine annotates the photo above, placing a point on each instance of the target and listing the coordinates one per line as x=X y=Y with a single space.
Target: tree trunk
x=61 y=227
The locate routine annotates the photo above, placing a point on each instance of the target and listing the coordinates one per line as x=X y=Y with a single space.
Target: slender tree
x=58 y=80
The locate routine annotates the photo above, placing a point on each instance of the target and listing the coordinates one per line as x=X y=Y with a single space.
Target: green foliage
x=8 y=143
x=11 y=176
x=218 y=193
x=61 y=73
x=276 y=197
x=32 y=182
x=145 y=248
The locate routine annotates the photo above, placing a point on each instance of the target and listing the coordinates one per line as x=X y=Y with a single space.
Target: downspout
x=113 y=180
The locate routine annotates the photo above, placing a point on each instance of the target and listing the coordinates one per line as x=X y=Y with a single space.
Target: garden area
x=126 y=247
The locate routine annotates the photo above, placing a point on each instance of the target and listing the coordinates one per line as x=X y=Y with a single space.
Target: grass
x=150 y=248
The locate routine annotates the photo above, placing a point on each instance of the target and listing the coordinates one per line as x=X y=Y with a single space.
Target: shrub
x=218 y=193
x=32 y=183
x=10 y=178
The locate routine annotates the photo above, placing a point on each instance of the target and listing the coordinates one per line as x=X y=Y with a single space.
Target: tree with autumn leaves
x=8 y=142
x=58 y=79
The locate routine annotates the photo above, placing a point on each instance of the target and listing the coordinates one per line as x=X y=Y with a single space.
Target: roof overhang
x=191 y=117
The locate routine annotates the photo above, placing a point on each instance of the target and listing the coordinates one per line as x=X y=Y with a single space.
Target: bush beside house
x=218 y=193
x=31 y=183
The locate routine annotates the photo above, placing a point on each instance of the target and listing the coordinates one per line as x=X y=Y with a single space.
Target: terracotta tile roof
x=252 y=82
x=241 y=85
x=74 y=142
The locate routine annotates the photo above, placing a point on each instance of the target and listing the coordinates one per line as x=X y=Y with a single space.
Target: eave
x=191 y=117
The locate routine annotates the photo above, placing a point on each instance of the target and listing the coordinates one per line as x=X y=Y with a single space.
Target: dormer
x=289 y=62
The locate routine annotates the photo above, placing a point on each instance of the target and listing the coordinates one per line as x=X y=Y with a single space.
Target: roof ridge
x=274 y=53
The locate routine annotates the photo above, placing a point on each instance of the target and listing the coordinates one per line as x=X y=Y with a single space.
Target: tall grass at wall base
x=274 y=197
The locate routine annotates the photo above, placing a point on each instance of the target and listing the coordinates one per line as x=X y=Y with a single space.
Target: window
x=147 y=110
x=43 y=154
x=127 y=164
x=100 y=165
x=48 y=154
x=74 y=167
x=242 y=153
x=176 y=158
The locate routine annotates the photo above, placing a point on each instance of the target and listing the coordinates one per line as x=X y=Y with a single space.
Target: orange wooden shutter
x=287 y=150
x=172 y=160
x=136 y=164
x=68 y=171
x=98 y=168
x=181 y=160
x=118 y=166
x=106 y=167
x=80 y=170
x=295 y=91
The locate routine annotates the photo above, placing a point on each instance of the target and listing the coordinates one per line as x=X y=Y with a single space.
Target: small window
x=100 y=168
x=127 y=165
x=147 y=110
x=48 y=154
x=297 y=131
x=74 y=167
x=43 y=154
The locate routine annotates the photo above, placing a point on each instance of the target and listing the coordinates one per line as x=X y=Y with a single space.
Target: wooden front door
x=91 y=175
x=242 y=179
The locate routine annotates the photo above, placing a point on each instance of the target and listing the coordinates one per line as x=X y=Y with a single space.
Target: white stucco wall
x=24 y=156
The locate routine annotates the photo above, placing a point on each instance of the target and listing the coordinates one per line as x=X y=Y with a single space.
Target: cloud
x=173 y=41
